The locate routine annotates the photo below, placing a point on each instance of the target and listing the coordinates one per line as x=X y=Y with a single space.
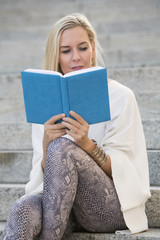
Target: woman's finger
x=55 y=118
x=71 y=127
x=54 y=126
x=72 y=122
x=78 y=117
x=53 y=135
x=72 y=134
x=57 y=135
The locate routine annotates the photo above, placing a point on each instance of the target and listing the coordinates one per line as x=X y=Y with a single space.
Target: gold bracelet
x=99 y=155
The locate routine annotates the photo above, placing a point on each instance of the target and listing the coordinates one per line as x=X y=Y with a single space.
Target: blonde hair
x=51 y=60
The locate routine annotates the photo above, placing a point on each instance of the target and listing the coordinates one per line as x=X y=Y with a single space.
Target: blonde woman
x=77 y=183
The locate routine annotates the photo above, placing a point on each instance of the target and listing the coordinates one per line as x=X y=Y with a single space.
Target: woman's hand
x=78 y=129
x=52 y=131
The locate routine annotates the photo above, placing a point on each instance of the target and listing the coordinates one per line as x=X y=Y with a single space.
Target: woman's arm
x=78 y=129
x=52 y=131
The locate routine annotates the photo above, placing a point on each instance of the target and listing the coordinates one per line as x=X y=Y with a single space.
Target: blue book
x=48 y=93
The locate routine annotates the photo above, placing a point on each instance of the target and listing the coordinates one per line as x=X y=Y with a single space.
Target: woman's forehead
x=77 y=34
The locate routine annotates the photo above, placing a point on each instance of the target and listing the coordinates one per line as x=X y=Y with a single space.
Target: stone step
x=12 y=108
x=153 y=208
x=154 y=166
x=130 y=58
x=9 y=193
x=151 y=234
x=143 y=82
x=138 y=79
x=122 y=5
x=2 y=226
x=15 y=167
x=128 y=26
x=103 y=11
x=30 y=53
x=24 y=30
x=121 y=50
x=116 y=41
x=129 y=40
x=17 y=136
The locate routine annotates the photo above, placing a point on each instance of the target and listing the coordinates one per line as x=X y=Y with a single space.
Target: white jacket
x=123 y=139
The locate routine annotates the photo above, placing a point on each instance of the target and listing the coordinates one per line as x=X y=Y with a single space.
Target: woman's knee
x=59 y=144
x=18 y=208
x=27 y=206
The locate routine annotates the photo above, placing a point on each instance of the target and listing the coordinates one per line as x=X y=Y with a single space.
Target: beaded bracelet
x=99 y=155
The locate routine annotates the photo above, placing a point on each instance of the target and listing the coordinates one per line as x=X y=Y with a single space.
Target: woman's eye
x=66 y=51
x=83 y=48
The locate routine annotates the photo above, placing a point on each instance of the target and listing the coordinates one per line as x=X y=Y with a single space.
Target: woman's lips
x=77 y=68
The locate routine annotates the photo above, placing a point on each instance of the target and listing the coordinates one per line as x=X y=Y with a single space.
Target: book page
x=82 y=71
x=43 y=71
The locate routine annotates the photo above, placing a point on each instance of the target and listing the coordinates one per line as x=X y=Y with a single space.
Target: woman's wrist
x=89 y=147
x=99 y=155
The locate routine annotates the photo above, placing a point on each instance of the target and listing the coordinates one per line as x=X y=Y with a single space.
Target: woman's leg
x=73 y=179
x=60 y=186
x=25 y=219
x=96 y=204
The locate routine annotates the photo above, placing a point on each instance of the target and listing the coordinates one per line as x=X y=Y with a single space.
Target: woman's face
x=75 y=51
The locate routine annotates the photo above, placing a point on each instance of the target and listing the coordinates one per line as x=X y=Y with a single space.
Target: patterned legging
x=77 y=196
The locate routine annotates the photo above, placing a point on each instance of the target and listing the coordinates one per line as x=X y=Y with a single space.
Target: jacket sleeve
x=125 y=143
x=35 y=185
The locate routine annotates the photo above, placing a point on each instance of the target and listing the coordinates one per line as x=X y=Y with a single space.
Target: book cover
x=48 y=93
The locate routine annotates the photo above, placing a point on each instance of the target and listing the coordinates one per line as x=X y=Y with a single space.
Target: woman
x=78 y=183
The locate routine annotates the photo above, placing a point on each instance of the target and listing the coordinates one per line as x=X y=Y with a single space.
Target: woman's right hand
x=52 y=131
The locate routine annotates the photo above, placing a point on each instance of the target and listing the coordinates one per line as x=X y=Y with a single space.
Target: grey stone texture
x=9 y=193
x=152 y=133
x=26 y=25
x=152 y=234
x=17 y=136
x=129 y=34
x=144 y=82
x=11 y=99
x=153 y=208
x=15 y=166
x=154 y=167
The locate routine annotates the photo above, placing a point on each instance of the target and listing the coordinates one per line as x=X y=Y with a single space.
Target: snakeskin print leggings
x=77 y=196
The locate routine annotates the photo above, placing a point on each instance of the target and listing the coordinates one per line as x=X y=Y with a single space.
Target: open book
x=48 y=93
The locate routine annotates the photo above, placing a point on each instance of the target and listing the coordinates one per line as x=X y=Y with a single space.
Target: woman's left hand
x=78 y=129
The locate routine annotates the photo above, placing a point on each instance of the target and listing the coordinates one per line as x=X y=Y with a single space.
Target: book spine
x=65 y=98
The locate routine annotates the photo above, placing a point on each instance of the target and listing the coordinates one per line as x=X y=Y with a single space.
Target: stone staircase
x=129 y=34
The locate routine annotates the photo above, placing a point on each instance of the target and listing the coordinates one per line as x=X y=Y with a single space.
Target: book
x=48 y=93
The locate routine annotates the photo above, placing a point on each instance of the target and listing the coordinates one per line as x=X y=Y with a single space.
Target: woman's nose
x=76 y=56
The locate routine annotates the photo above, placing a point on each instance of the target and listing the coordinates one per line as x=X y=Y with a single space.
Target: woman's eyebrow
x=64 y=46
x=78 y=44
x=83 y=43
